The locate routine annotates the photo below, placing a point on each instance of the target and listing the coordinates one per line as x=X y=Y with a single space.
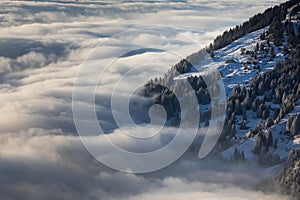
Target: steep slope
x=261 y=72
x=259 y=106
x=267 y=116
x=241 y=73
x=288 y=180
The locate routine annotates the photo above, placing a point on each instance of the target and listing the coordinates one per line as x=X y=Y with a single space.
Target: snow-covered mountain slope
x=235 y=74
x=239 y=63
x=284 y=142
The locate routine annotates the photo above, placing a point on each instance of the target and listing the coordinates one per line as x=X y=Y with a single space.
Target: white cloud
x=42 y=46
x=178 y=189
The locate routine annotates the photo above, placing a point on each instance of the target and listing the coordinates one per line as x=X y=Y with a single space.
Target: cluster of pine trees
x=293 y=125
x=288 y=179
x=276 y=30
x=259 y=21
x=280 y=86
x=163 y=91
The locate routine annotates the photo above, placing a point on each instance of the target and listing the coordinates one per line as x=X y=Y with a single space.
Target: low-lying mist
x=43 y=44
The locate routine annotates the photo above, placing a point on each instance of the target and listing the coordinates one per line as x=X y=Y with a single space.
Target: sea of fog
x=44 y=45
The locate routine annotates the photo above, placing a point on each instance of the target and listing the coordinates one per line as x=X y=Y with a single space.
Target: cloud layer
x=42 y=47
